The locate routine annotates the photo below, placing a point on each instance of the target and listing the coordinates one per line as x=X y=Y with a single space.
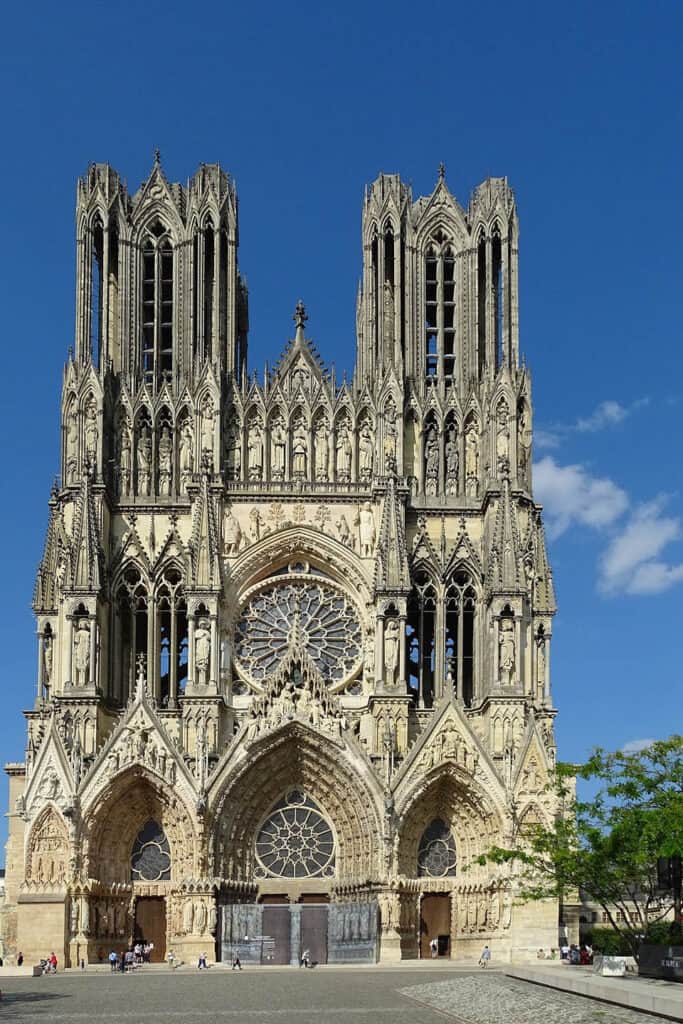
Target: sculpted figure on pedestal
x=506 y=641
x=165 y=461
x=366 y=452
x=255 y=449
x=232 y=533
x=71 y=446
x=343 y=453
x=391 y=642
x=277 y=454
x=431 y=462
x=503 y=441
x=202 y=648
x=322 y=450
x=366 y=521
x=452 y=463
x=91 y=433
x=125 y=461
x=299 y=450
x=186 y=454
x=144 y=455
x=82 y=653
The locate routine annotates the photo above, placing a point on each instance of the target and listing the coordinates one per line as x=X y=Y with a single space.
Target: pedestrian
x=122 y=961
x=82 y=964
x=236 y=963
x=485 y=957
x=20 y=960
x=113 y=961
x=53 y=962
x=434 y=947
x=202 y=964
x=306 y=958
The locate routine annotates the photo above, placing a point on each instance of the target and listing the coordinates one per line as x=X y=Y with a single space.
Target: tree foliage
x=608 y=846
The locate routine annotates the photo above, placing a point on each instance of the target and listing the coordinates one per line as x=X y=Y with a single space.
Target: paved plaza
x=261 y=996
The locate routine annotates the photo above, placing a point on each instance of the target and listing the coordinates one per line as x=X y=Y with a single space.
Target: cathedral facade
x=293 y=633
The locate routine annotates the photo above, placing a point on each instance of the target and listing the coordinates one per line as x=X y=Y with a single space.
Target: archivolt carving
x=47 y=855
x=115 y=822
x=296 y=759
x=453 y=797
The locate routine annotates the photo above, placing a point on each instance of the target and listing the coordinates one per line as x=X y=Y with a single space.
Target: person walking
x=113 y=961
x=236 y=962
x=434 y=948
x=485 y=958
x=53 y=962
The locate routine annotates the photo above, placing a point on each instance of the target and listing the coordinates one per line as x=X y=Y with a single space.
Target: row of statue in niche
x=277 y=453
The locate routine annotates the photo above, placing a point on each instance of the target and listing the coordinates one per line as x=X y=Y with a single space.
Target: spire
x=544 y=598
x=300 y=317
x=504 y=562
x=86 y=550
x=204 y=544
x=392 y=574
x=53 y=562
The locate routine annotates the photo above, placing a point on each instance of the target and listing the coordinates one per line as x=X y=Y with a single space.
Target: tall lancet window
x=157 y=306
x=497 y=293
x=460 y=609
x=440 y=309
x=96 y=290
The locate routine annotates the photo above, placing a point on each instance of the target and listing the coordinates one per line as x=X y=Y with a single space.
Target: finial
x=157 y=156
x=442 y=170
x=300 y=316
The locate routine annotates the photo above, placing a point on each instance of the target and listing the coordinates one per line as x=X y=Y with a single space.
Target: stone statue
x=73 y=919
x=391 y=642
x=278 y=441
x=82 y=653
x=232 y=533
x=200 y=917
x=452 y=463
x=71 y=446
x=431 y=462
x=233 y=455
x=343 y=453
x=202 y=651
x=208 y=421
x=503 y=441
x=343 y=529
x=524 y=439
x=472 y=458
x=366 y=522
x=255 y=450
x=388 y=318
x=144 y=454
x=91 y=433
x=165 y=461
x=256 y=521
x=47 y=659
x=366 y=452
x=188 y=917
x=322 y=450
x=299 y=450
x=506 y=641
x=125 y=461
x=85 y=915
x=186 y=454
x=540 y=665
x=213 y=918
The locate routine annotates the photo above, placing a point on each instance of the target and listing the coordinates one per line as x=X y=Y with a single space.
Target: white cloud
x=631 y=562
x=635 y=746
x=571 y=495
x=606 y=414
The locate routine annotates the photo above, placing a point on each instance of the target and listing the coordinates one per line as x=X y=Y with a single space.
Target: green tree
x=609 y=846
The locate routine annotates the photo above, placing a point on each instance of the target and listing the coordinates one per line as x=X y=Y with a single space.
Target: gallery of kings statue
x=293 y=632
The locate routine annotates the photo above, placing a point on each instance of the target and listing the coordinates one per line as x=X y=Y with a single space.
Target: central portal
x=435 y=923
x=150 y=925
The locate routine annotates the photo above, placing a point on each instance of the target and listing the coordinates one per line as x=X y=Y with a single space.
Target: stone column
x=69 y=650
x=213 y=668
x=92 y=678
x=41 y=662
x=294 y=934
x=496 y=650
x=402 y=652
x=379 y=650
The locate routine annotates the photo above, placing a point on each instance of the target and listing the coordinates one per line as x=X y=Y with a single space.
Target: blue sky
x=579 y=105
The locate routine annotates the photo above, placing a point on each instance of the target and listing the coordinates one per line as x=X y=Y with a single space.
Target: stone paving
x=272 y=996
x=488 y=998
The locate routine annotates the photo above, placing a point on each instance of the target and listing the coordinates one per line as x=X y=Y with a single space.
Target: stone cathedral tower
x=293 y=634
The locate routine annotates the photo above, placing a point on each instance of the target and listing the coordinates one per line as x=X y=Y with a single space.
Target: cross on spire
x=442 y=170
x=300 y=316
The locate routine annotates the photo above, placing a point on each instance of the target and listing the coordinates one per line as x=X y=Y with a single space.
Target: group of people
x=129 y=959
x=49 y=964
x=575 y=955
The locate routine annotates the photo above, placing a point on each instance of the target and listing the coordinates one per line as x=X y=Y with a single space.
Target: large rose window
x=295 y=841
x=325 y=619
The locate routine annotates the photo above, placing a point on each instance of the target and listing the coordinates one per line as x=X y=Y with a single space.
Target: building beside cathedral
x=293 y=634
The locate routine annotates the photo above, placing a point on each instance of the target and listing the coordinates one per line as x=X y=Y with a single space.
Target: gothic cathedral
x=293 y=668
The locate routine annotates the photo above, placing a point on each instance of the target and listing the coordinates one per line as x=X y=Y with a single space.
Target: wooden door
x=314 y=931
x=150 y=925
